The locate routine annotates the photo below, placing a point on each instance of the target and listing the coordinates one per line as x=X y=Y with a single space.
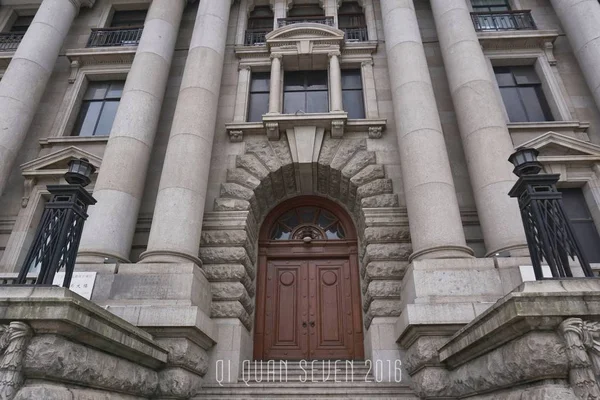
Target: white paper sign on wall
x=82 y=283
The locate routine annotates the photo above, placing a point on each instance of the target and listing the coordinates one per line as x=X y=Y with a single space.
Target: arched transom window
x=307 y=222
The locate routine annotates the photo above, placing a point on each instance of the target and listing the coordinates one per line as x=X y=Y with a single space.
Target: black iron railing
x=255 y=37
x=299 y=20
x=503 y=21
x=113 y=37
x=356 y=34
x=10 y=41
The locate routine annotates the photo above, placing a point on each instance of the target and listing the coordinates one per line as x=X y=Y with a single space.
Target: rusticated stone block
x=385 y=270
x=230 y=273
x=346 y=151
x=380 y=201
x=381 y=290
x=242 y=177
x=229 y=237
x=263 y=151
x=387 y=251
x=387 y=234
x=53 y=357
x=423 y=351
x=382 y=308
x=360 y=160
x=548 y=391
x=233 y=190
x=231 y=309
x=227 y=255
x=368 y=174
x=178 y=383
x=185 y=353
x=225 y=291
x=374 y=188
x=250 y=163
x=223 y=204
x=40 y=390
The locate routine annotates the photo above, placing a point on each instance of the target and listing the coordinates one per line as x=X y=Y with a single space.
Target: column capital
x=367 y=63
x=335 y=53
x=83 y=3
x=244 y=67
x=273 y=56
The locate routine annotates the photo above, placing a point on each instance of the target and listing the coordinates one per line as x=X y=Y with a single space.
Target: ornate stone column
x=435 y=224
x=110 y=228
x=275 y=84
x=486 y=140
x=579 y=19
x=335 y=81
x=177 y=221
x=25 y=79
x=280 y=8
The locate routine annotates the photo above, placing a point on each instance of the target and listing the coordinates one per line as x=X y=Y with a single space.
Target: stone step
x=294 y=390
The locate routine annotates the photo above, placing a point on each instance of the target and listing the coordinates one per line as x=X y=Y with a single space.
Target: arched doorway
x=308 y=287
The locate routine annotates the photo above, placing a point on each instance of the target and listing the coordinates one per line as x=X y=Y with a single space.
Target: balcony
x=10 y=41
x=503 y=21
x=355 y=34
x=115 y=37
x=281 y=22
x=255 y=37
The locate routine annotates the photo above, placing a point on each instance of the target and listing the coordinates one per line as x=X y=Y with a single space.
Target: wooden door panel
x=286 y=309
x=330 y=308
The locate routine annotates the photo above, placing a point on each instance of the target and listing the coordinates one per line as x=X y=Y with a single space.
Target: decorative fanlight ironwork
x=59 y=232
x=307 y=223
x=550 y=236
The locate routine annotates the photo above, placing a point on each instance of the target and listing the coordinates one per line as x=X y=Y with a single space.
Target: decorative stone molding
x=236 y=135
x=306 y=160
x=375 y=132
x=272 y=129
x=53 y=166
x=101 y=56
x=583 y=350
x=526 y=133
x=14 y=339
x=515 y=40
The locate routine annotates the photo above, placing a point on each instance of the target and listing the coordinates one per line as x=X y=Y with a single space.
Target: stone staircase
x=306 y=382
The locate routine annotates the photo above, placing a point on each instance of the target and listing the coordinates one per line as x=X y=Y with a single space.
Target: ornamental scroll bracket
x=14 y=339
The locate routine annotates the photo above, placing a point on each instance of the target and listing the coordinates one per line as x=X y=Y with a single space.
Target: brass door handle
x=312 y=324
x=304 y=324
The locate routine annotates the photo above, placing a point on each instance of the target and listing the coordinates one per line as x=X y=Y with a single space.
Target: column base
x=517 y=250
x=442 y=252
x=92 y=257
x=168 y=256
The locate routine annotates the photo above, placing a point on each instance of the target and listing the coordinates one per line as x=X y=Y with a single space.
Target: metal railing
x=10 y=41
x=255 y=37
x=356 y=34
x=503 y=21
x=114 y=37
x=299 y=20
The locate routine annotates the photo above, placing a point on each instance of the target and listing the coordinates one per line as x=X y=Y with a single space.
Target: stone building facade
x=299 y=179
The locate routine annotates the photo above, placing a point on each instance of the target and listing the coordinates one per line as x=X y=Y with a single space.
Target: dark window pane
x=260 y=82
x=351 y=79
x=306 y=10
x=115 y=91
x=128 y=18
x=317 y=102
x=326 y=219
x=107 y=117
x=21 y=24
x=354 y=104
x=504 y=76
x=88 y=116
x=307 y=214
x=514 y=107
x=290 y=219
x=575 y=204
x=293 y=81
x=525 y=75
x=258 y=105
x=533 y=103
x=587 y=234
x=316 y=80
x=96 y=90
x=293 y=102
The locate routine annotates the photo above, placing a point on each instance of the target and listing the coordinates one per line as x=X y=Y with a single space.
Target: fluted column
x=581 y=22
x=27 y=75
x=335 y=78
x=485 y=137
x=110 y=228
x=434 y=217
x=177 y=221
x=275 y=85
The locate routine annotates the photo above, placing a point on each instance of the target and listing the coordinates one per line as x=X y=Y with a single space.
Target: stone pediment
x=305 y=37
x=553 y=146
x=56 y=164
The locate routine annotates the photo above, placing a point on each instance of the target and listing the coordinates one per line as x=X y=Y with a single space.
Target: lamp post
x=59 y=232
x=549 y=233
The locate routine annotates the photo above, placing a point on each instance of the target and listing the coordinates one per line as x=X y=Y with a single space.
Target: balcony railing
x=114 y=37
x=503 y=21
x=10 y=41
x=356 y=34
x=255 y=37
x=299 y=20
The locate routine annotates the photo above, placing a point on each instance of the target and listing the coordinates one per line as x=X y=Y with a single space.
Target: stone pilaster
x=335 y=81
x=25 y=80
x=428 y=185
x=485 y=137
x=579 y=19
x=177 y=221
x=275 y=84
x=109 y=230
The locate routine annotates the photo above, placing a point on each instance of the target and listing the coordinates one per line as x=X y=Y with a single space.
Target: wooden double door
x=308 y=308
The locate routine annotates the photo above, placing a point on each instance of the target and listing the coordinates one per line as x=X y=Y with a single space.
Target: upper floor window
x=352 y=93
x=301 y=13
x=260 y=22
x=21 y=24
x=351 y=20
x=99 y=108
x=305 y=92
x=582 y=223
x=490 y=5
x=128 y=19
x=258 y=102
x=522 y=94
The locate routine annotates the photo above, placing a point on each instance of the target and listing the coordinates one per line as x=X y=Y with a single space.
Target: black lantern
x=525 y=162
x=57 y=238
x=80 y=171
x=550 y=236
